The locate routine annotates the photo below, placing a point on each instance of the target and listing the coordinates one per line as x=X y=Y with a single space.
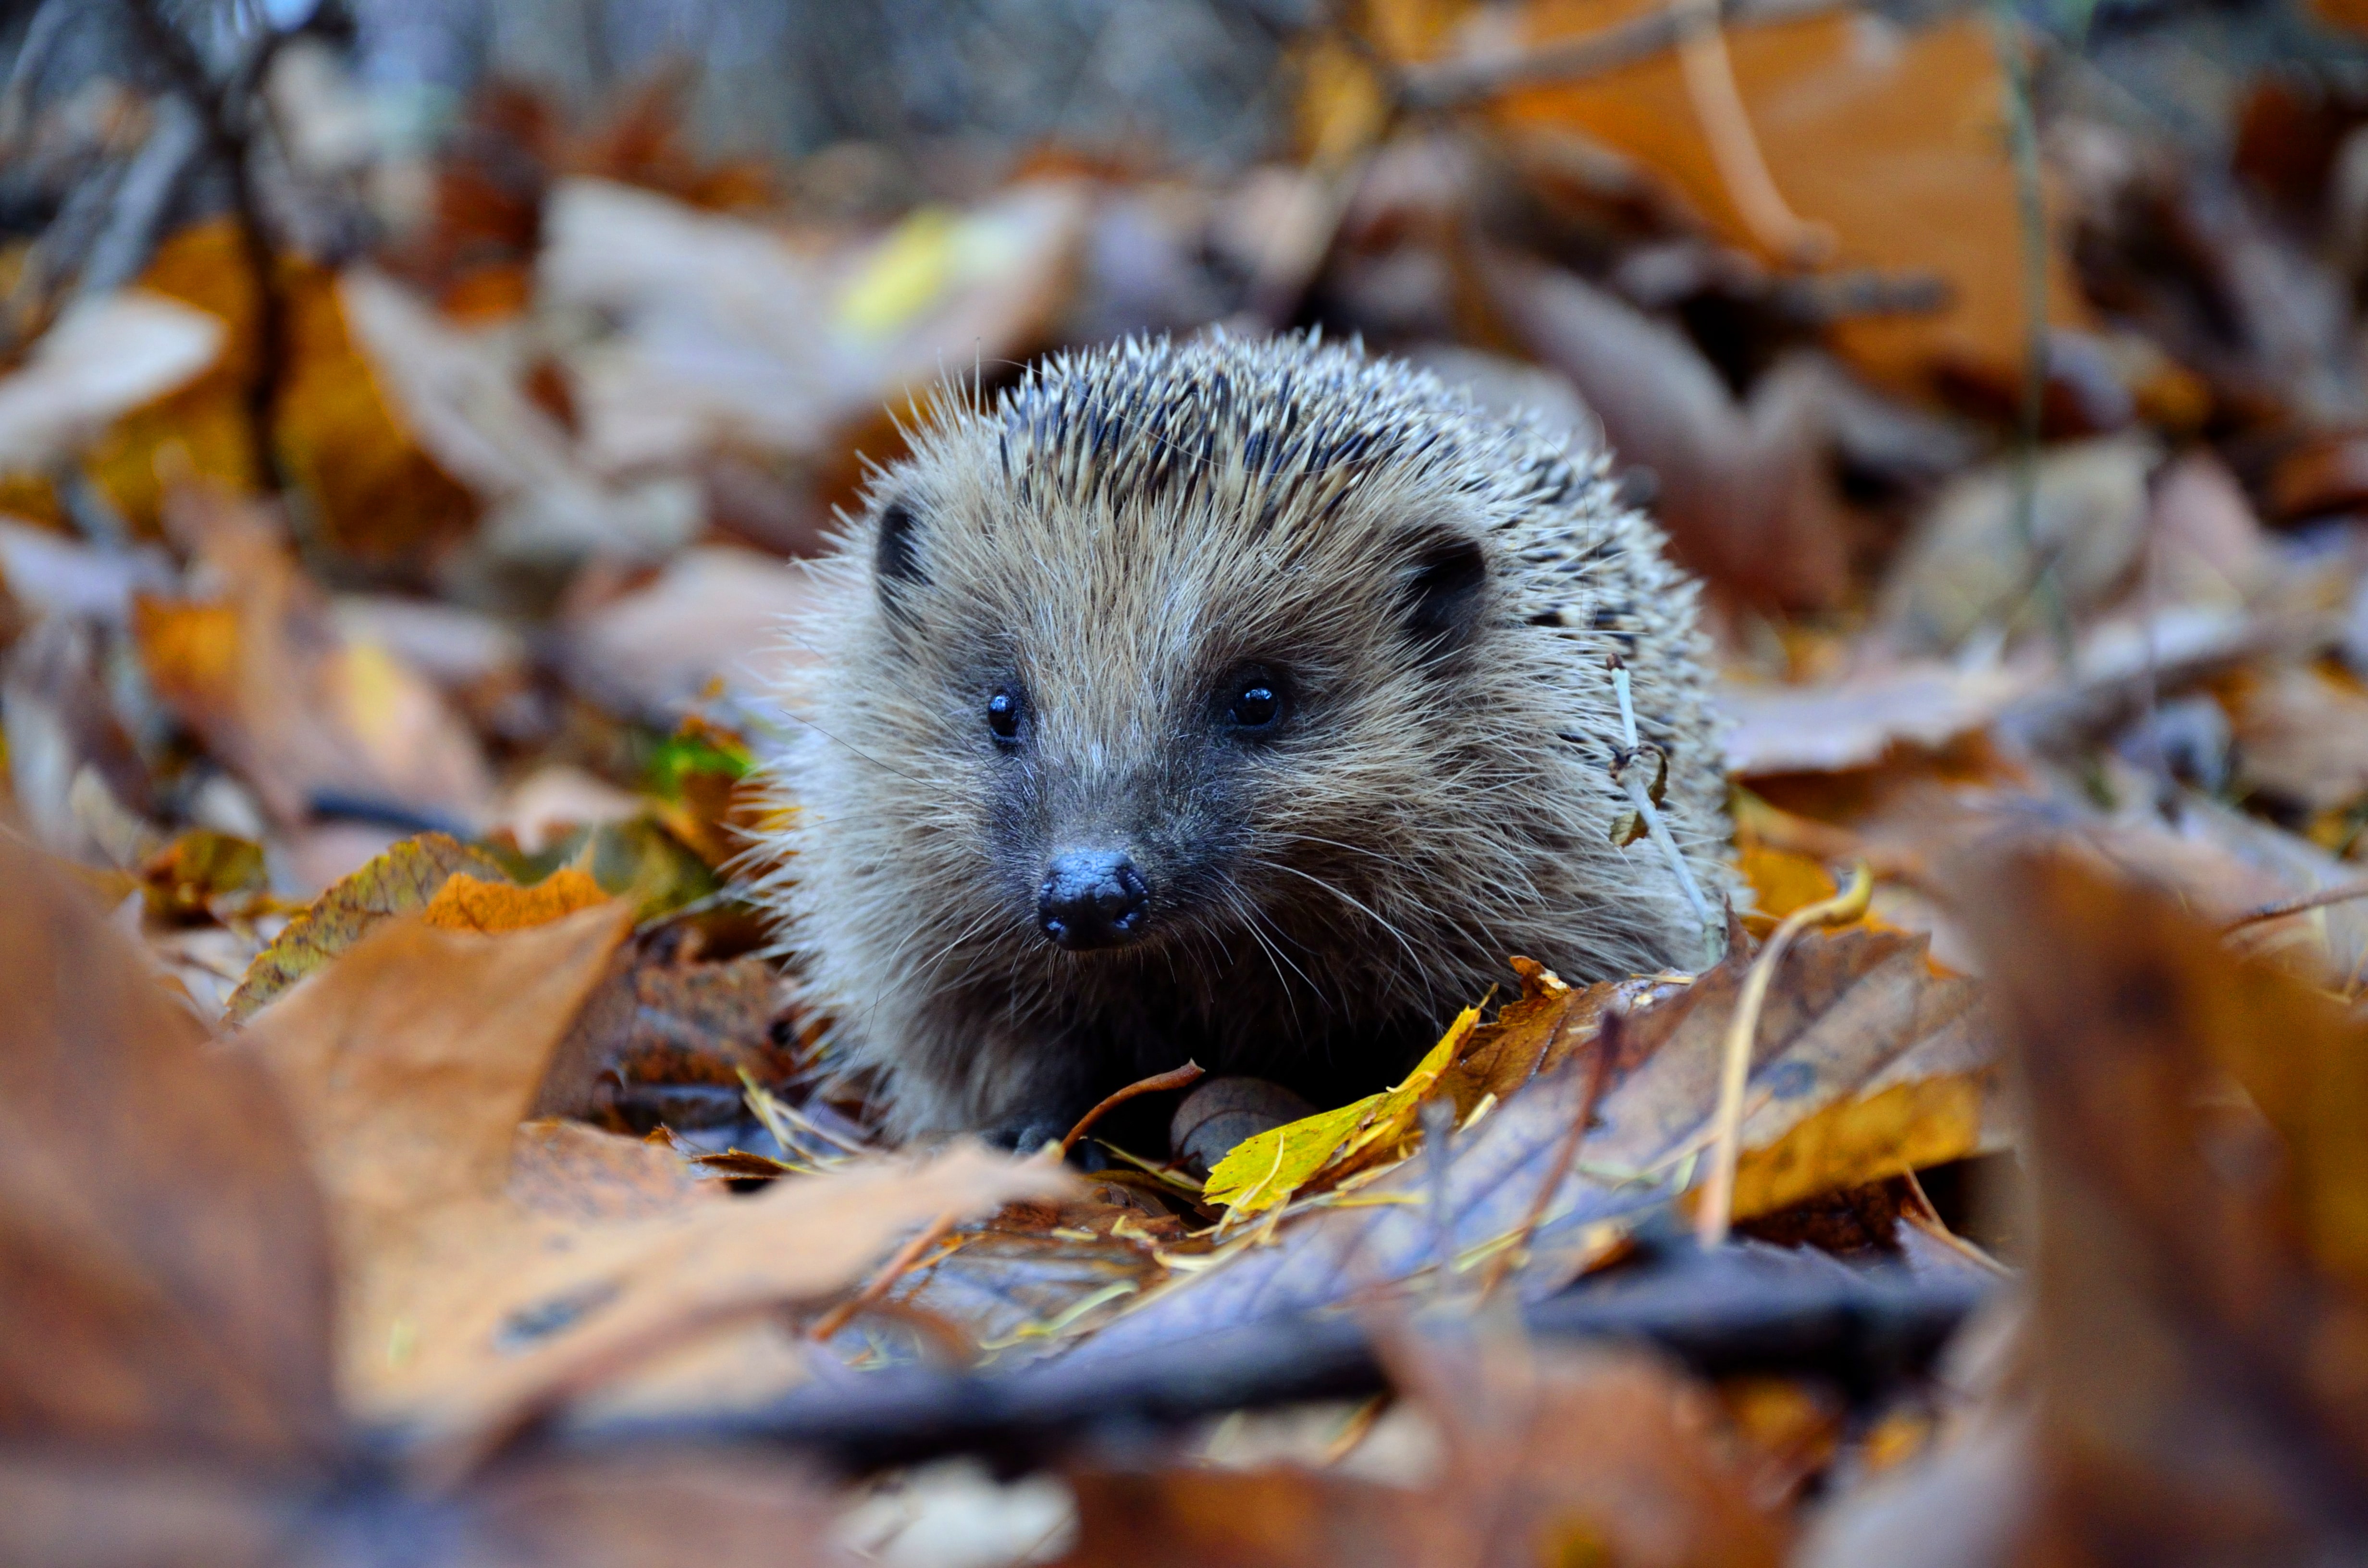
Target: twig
x=1175 y=1078
x=1452 y=83
x=1599 y=1073
x=1735 y=151
x=840 y=1316
x=229 y=140
x=1860 y=1329
x=1718 y=1211
x=2030 y=211
x=2302 y=906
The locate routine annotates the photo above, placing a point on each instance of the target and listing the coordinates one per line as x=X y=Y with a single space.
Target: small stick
x=840 y=1316
x=1176 y=1078
x=1599 y=1073
x=1735 y=150
x=2303 y=905
x=1717 y=1212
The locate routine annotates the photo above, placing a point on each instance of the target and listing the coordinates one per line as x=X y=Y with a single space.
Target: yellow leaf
x=1268 y=1170
x=472 y=903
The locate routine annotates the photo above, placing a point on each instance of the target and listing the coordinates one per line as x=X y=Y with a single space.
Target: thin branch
x=1175 y=1078
x=1716 y=1214
x=1454 y=83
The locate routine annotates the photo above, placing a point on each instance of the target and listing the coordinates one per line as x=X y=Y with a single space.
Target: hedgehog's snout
x=1092 y=898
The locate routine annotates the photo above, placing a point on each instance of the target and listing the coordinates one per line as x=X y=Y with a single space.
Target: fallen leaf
x=715 y=611
x=1859 y=1040
x=262 y=673
x=165 y=1262
x=467 y=903
x=1567 y=1457
x=2201 y=1269
x=400 y=882
x=1966 y=566
x=1267 y=1171
x=410 y=1061
x=201 y=873
x=1892 y=137
x=1745 y=490
x=103 y=358
x=2302 y=736
x=657 y=1027
x=1856 y=722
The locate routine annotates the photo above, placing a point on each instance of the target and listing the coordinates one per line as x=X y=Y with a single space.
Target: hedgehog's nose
x=1091 y=898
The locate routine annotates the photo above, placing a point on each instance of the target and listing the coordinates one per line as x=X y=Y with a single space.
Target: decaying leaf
x=403 y=880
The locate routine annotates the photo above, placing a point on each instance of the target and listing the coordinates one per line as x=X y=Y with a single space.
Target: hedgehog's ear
x=1444 y=590
x=896 y=552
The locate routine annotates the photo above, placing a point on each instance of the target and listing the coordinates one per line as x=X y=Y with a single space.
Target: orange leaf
x=470 y=903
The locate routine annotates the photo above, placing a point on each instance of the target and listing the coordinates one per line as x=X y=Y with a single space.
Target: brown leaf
x=1865 y=1060
x=656 y=1023
x=264 y=675
x=2202 y=1271
x=403 y=880
x=410 y=1061
x=1898 y=147
x=164 y=1263
x=1743 y=489
x=1552 y=1456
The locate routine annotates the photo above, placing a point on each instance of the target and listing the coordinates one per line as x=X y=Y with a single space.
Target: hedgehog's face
x=1130 y=746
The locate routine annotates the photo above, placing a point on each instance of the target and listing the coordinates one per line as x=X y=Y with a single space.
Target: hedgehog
x=1245 y=702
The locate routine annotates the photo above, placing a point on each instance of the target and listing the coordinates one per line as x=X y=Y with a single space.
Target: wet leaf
x=403 y=880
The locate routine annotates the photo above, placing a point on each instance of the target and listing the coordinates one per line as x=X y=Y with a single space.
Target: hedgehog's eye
x=1003 y=714
x=1255 y=706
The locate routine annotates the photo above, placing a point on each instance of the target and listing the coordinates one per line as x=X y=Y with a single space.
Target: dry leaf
x=1892 y=137
x=2201 y=1273
x=1865 y=1060
x=103 y=358
x=1265 y=1171
x=1856 y=722
x=410 y=1063
x=403 y=880
x=263 y=674
x=165 y=1267
x=466 y=903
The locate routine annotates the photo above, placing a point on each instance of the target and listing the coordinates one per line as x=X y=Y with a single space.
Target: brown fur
x=1117 y=536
